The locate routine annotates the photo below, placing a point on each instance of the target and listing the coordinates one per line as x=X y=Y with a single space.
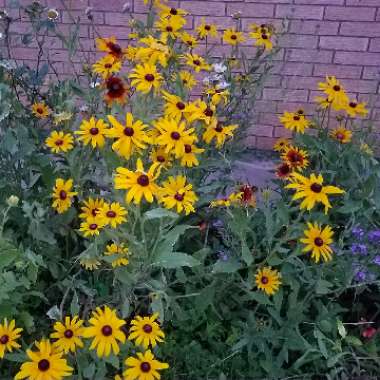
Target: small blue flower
x=360 y=276
x=223 y=256
x=217 y=223
x=361 y=249
x=376 y=260
x=358 y=232
x=374 y=236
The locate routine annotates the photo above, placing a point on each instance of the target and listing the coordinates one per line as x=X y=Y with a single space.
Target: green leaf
x=8 y=253
x=159 y=213
x=341 y=329
x=230 y=266
x=353 y=340
x=175 y=260
x=323 y=287
x=169 y=240
x=260 y=298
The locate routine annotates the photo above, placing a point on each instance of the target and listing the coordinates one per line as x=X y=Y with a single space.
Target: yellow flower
x=295 y=157
x=107 y=66
x=189 y=40
x=335 y=92
x=167 y=12
x=323 y=102
x=144 y=367
x=318 y=241
x=44 y=364
x=116 y=91
x=284 y=171
x=89 y=263
x=91 y=208
x=189 y=158
x=196 y=62
x=110 y=46
x=216 y=130
x=200 y=110
x=113 y=214
x=92 y=226
x=60 y=117
x=353 y=108
x=40 y=110
x=106 y=331
x=262 y=38
x=174 y=106
x=216 y=95
x=268 y=280
x=312 y=190
x=175 y=192
x=233 y=37
x=62 y=195
x=187 y=79
x=295 y=121
x=161 y=157
x=281 y=144
x=170 y=26
x=366 y=149
x=93 y=131
x=130 y=137
x=145 y=331
x=155 y=50
x=173 y=136
x=119 y=253
x=138 y=183
x=145 y=78
x=60 y=142
x=205 y=29
x=8 y=336
x=232 y=199
x=341 y=134
x=68 y=335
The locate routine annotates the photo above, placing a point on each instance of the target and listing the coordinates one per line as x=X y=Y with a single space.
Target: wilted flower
x=88 y=13
x=13 y=200
x=126 y=7
x=52 y=14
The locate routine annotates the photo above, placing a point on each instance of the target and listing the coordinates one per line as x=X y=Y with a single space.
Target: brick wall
x=336 y=37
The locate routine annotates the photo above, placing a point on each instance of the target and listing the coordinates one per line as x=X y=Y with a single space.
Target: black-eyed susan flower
x=262 y=37
x=139 y=183
x=295 y=121
x=187 y=79
x=174 y=106
x=44 y=364
x=217 y=94
x=40 y=110
x=92 y=226
x=189 y=40
x=335 y=92
x=323 y=102
x=233 y=37
x=281 y=144
x=93 y=132
x=248 y=197
x=113 y=214
x=312 y=190
x=284 y=170
x=200 y=110
x=153 y=51
x=130 y=137
x=341 y=135
x=354 y=108
x=143 y=367
x=105 y=329
x=268 y=280
x=166 y=12
x=196 y=62
x=119 y=254
x=91 y=208
x=9 y=335
x=89 y=263
x=233 y=199
x=107 y=66
x=60 y=142
x=110 y=46
x=145 y=77
x=174 y=136
x=116 y=91
x=189 y=158
x=160 y=156
x=177 y=193
x=170 y=26
x=63 y=195
x=219 y=132
x=297 y=158
x=145 y=331
x=318 y=240
x=206 y=29
x=68 y=335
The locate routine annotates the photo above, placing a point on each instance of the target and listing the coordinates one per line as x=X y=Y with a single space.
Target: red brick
x=363 y=59
x=265 y=106
x=320 y=2
x=298 y=41
x=260 y=130
x=67 y=17
x=314 y=56
x=106 y=5
x=283 y=94
x=282 y=132
x=70 y=4
x=293 y=68
x=116 y=18
x=371 y=73
x=269 y=119
x=221 y=22
x=361 y=86
x=362 y=3
x=340 y=71
x=344 y=43
x=375 y=45
x=309 y=12
x=350 y=13
x=290 y=107
x=265 y=142
x=253 y=10
x=320 y=28
x=300 y=83
x=365 y=29
x=204 y=8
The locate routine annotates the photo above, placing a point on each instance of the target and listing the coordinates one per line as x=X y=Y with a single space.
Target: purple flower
x=376 y=260
x=217 y=223
x=374 y=236
x=361 y=249
x=358 y=232
x=360 y=275
x=223 y=256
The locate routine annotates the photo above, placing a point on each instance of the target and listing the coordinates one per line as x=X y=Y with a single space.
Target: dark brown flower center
x=316 y=187
x=233 y=37
x=94 y=212
x=169 y=29
x=114 y=48
x=196 y=62
x=353 y=104
x=143 y=180
x=188 y=148
x=264 y=36
x=264 y=280
x=107 y=330
x=300 y=112
x=145 y=367
x=108 y=65
x=173 y=11
x=296 y=118
x=94 y=131
x=128 y=131
x=336 y=88
x=219 y=128
x=160 y=158
x=207 y=27
x=149 y=77
x=284 y=169
x=115 y=87
x=208 y=112
x=59 y=142
x=147 y=328
x=62 y=195
x=111 y=214
x=40 y=110
x=340 y=136
x=43 y=365
x=68 y=334
x=93 y=226
x=295 y=157
x=181 y=106
x=175 y=135
x=4 y=339
x=318 y=242
x=178 y=197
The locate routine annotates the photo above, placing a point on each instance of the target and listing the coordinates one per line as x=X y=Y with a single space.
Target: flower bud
x=13 y=200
